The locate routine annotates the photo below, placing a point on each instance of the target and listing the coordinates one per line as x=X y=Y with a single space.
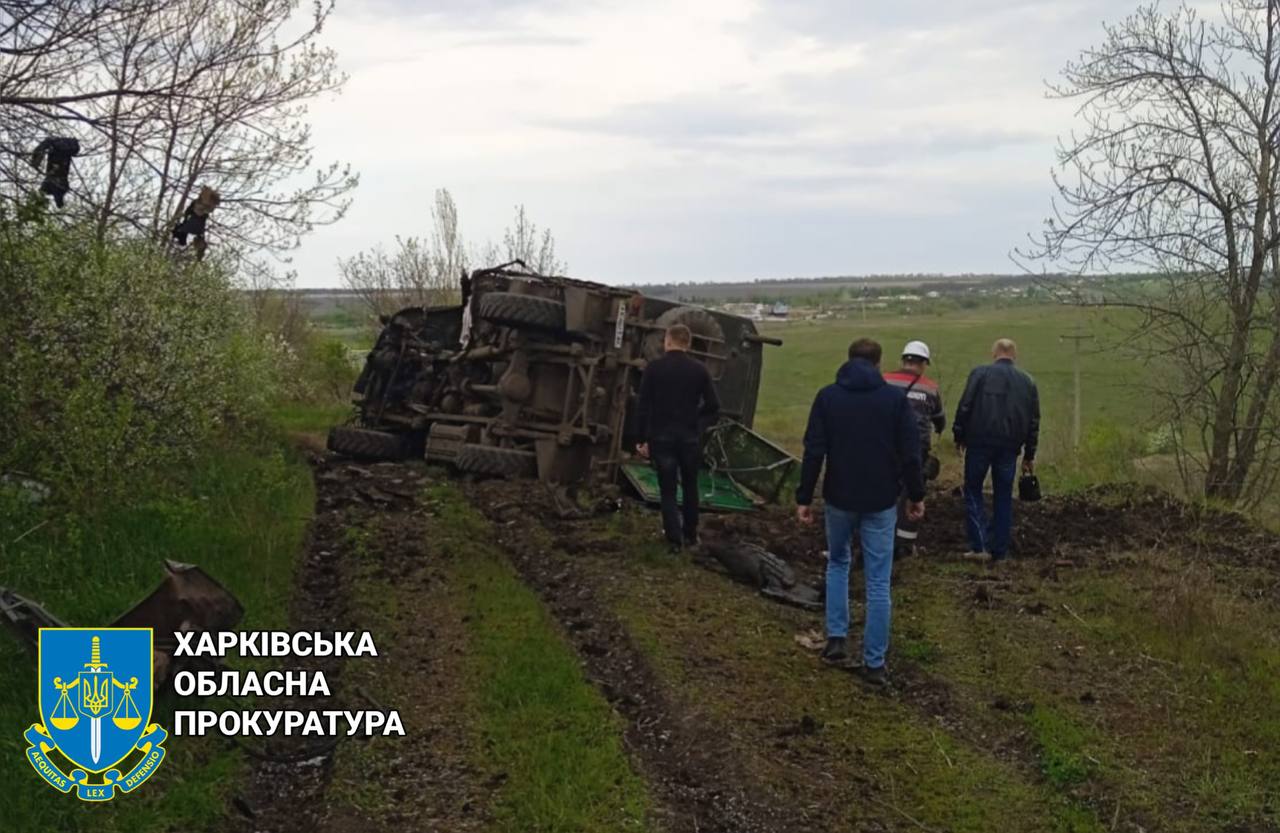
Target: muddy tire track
x=285 y=791
x=692 y=774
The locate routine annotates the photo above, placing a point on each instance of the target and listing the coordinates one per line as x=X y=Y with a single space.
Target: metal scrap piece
x=25 y=618
x=188 y=599
x=772 y=576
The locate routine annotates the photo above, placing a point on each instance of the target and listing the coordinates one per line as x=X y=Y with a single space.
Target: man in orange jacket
x=926 y=400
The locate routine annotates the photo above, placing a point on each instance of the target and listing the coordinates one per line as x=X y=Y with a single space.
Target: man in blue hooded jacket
x=865 y=431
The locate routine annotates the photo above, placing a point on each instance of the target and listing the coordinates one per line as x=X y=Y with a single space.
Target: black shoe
x=878 y=677
x=835 y=653
x=674 y=548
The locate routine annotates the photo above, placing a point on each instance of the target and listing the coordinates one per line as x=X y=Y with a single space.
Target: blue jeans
x=876 y=531
x=990 y=537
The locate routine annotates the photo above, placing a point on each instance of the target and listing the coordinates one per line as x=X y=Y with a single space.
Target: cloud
x=700 y=138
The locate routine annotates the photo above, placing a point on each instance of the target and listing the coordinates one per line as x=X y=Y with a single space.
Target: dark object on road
x=54 y=154
x=187 y=600
x=537 y=376
x=755 y=566
x=1029 y=488
x=195 y=218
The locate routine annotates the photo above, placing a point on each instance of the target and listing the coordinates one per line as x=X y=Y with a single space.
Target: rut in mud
x=694 y=776
x=731 y=725
x=290 y=776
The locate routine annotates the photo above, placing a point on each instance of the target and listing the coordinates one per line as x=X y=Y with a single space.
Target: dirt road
x=1120 y=675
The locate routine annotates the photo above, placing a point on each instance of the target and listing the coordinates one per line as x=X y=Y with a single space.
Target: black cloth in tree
x=55 y=154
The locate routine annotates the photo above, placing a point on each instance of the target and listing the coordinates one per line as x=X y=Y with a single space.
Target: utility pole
x=1076 y=338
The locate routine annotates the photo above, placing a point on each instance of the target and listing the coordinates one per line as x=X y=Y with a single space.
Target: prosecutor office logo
x=95 y=701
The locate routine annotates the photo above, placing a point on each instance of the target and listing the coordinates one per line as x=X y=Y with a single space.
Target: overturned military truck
x=536 y=376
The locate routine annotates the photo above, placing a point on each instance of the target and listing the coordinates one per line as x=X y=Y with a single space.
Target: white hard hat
x=916 y=348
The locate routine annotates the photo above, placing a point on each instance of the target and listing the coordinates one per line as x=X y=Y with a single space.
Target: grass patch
x=542 y=725
x=920 y=650
x=1212 y=685
x=1063 y=747
x=310 y=417
x=240 y=514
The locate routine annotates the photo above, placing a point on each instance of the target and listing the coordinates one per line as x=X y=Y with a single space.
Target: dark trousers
x=678 y=463
x=908 y=532
x=990 y=537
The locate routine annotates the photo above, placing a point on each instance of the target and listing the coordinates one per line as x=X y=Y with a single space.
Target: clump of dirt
x=1076 y=526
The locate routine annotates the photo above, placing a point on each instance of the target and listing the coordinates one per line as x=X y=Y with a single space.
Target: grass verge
x=544 y=729
x=240 y=513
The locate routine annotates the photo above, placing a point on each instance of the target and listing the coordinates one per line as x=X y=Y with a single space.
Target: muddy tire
x=365 y=444
x=527 y=311
x=699 y=321
x=499 y=462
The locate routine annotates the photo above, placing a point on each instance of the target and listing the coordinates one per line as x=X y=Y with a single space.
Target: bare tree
x=417 y=272
x=523 y=241
x=168 y=96
x=1175 y=173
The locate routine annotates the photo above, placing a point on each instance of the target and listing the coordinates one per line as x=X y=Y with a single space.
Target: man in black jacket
x=677 y=399
x=865 y=431
x=998 y=417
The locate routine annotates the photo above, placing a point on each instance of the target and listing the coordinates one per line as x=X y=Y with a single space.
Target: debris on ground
x=25 y=618
x=811 y=640
x=25 y=488
x=753 y=565
x=188 y=599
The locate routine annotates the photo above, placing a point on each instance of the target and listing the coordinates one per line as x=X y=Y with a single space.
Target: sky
x=692 y=140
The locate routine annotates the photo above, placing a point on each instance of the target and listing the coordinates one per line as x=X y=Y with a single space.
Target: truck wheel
x=501 y=462
x=365 y=444
x=514 y=310
x=699 y=321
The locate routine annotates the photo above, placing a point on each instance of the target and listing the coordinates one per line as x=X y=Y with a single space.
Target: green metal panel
x=716 y=492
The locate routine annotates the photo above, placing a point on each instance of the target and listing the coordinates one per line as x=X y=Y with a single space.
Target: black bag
x=1029 y=488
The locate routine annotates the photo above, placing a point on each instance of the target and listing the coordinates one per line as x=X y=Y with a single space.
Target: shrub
x=116 y=358
x=329 y=371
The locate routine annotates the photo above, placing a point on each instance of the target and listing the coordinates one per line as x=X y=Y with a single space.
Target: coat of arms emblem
x=95 y=703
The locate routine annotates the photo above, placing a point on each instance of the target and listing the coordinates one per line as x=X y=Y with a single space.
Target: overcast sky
x=705 y=139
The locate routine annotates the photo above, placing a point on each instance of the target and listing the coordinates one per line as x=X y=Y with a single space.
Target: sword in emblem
x=95 y=666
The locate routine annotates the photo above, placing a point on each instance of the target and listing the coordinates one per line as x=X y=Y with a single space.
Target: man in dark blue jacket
x=865 y=431
x=997 y=418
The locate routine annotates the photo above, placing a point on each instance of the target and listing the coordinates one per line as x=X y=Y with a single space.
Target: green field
x=1115 y=417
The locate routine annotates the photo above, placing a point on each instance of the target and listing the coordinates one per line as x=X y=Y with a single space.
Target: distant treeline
x=769 y=290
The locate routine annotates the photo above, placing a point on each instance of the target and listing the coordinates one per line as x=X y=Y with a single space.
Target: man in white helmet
x=925 y=398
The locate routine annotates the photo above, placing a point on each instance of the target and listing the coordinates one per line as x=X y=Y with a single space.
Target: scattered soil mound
x=1091 y=522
